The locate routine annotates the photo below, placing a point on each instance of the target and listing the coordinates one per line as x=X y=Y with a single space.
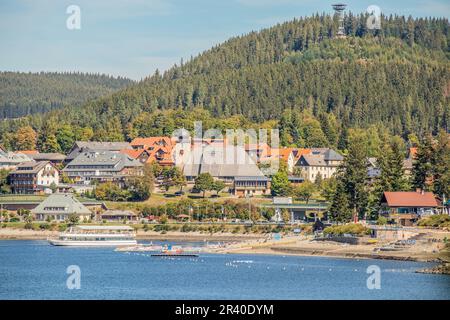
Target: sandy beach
x=306 y=247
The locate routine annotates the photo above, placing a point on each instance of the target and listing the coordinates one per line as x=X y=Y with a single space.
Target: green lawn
x=33 y=198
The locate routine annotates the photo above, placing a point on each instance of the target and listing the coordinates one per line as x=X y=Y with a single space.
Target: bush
x=436 y=221
x=236 y=229
x=382 y=221
x=28 y=226
x=161 y=228
x=186 y=228
x=44 y=226
x=14 y=219
x=62 y=227
x=355 y=229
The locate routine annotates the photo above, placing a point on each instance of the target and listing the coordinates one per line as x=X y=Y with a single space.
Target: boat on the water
x=175 y=251
x=96 y=236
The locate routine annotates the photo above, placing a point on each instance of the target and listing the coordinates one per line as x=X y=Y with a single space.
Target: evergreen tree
x=340 y=210
x=422 y=166
x=441 y=166
x=390 y=163
x=280 y=184
x=65 y=137
x=354 y=175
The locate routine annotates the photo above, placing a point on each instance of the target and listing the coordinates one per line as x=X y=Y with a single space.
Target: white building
x=59 y=207
x=34 y=177
x=321 y=161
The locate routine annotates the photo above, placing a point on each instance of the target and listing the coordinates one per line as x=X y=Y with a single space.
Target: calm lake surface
x=36 y=270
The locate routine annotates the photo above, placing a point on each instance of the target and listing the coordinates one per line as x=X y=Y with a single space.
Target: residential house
x=407 y=207
x=86 y=146
x=103 y=167
x=59 y=207
x=321 y=161
x=290 y=156
x=162 y=155
x=34 y=177
x=118 y=216
x=10 y=160
x=159 y=149
x=53 y=157
x=231 y=164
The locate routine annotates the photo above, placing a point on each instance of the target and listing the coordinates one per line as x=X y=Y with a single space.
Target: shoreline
x=23 y=234
x=351 y=256
x=260 y=244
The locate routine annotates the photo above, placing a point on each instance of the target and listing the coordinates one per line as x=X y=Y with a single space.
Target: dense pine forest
x=296 y=76
x=22 y=94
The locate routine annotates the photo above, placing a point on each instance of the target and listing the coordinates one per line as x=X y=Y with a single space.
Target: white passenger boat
x=96 y=236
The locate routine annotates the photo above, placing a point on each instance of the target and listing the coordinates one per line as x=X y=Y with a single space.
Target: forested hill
x=296 y=76
x=27 y=93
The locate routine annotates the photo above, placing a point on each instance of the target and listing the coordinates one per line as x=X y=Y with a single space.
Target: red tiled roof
x=282 y=153
x=151 y=141
x=410 y=199
x=300 y=152
x=28 y=152
x=132 y=153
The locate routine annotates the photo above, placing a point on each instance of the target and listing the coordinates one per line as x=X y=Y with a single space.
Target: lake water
x=36 y=270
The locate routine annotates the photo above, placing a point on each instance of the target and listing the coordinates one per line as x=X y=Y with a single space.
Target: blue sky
x=133 y=38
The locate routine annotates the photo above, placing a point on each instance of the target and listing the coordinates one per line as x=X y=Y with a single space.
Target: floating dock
x=175 y=255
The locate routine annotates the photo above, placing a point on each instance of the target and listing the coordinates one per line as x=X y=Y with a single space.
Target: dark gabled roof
x=319 y=157
x=229 y=161
x=109 y=146
x=30 y=167
x=313 y=160
x=80 y=146
x=251 y=178
x=48 y=156
x=331 y=155
x=61 y=204
x=105 y=158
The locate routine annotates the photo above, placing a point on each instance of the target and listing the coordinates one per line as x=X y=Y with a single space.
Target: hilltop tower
x=339 y=11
